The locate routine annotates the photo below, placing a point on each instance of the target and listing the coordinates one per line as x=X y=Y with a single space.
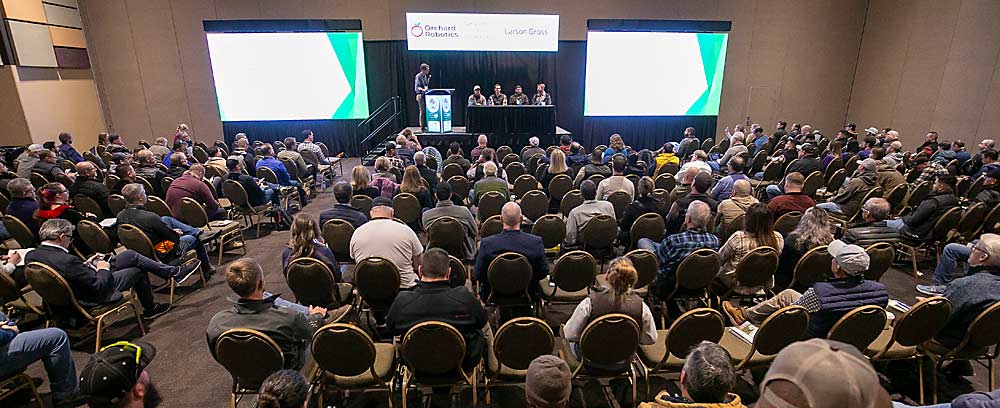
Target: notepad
x=22 y=252
x=108 y=222
x=746 y=332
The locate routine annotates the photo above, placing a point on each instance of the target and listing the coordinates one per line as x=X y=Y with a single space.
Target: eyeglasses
x=127 y=346
x=977 y=248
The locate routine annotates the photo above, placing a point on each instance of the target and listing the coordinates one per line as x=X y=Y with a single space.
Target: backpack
x=282 y=220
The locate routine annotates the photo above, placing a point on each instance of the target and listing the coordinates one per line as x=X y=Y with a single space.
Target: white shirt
x=391 y=240
x=578 y=321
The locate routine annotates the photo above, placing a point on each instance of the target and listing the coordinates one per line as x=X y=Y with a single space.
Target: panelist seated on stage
x=518 y=97
x=541 y=97
x=497 y=98
x=477 y=98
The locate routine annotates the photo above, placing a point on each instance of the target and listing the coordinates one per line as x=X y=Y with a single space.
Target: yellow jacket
x=664 y=400
x=664 y=158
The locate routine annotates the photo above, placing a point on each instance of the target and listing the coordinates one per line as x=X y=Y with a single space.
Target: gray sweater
x=969 y=296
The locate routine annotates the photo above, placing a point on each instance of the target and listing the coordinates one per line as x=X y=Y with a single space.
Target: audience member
x=699 y=160
x=557 y=166
x=147 y=168
x=343 y=210
x=428 y=174
x=259 y=191
x=548 y=383
x=849 y=198
x=929 y=169
x=736 y=148
x=758 y=231
x=814 y=230
x=511 y=239
x=666 y=156
x=455 y=156
x=361 y=181
x=489 y=182
x=792 y=199
x=446 y=208
x=644 y=203
x=888 y=176
x=990 y=195
x=481 y=144
x=724 y=188
x=302 y=168
x=919 y=223
x=192 y=185
x=126 y=175
x=283 y=389
x=732 y=208
x=616 y=145
x=217 y=159
x=308 y=144
x=699 y=188
x=284 y=179
x=873 y=228
x=989 y=159
x=26 y=161
x=594 y=167
x=707 y=380
x=476 y=173
x=55 y=203
x=676 y=247
x=531 y=149
x=66 y=148
x=384 y=180
x=404 y=151
x=178 y=164
x=685 y=179
x=159 y=147
x=22 y=202
x=47 y=166
x=583 y=213
x=617 y=181
x=307 y=241
x=682 y=147
x=414 y=184
x=383 y=237
x=171 y=238
x=116 y=377
x=19 y=349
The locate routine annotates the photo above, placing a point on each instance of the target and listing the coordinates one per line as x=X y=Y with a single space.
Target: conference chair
x=64 y=180
x=812 y=267
x=755 y=269
x=448 y=234
x=980 y=342
x=691 y=281
x=314 y=284
x=227 y=232
x=515 y=345
x=724 y=230
x=337 y=234
x=843 y=220
x=975 y=188
x=672 y=345
x=596 y=179
x=570 y=280
x=812 y=184
x=514 y=170
x=491 y=226
x=15 y=383
x=781 y=328
x=38 y=180
x=881 y=255
x=607 y=348
x=915 y=327
x=199 y=153
x=989 y=223
x=406 y=207
x=377 y=283
x=56 y=292
x=460 y=187
x=646 y=266
x=620 y=200
x=552 y=229
x=834 y=183
x=348 y=359
x=598 y=236
x=451 y=170
x=308 y=184
x=836 y=164
x=87 y=205
x=939 y=233
x=459 y=275
x=851 y=164
x=490 y=204
x=524 y=184
x=896 y=196
x=534 y=204
x=859 y=327
x=667 y=168
x=664 y=197
x=759 y=160
x=4 y=201
x=971 y=222
x=13 y=300
x=362 y=203
x=158 y=206
x=165 y=183
x=707 y=144
x=287 y=193
x=649 y=225
x=508 y=159
x=510 y=278
x=135 y=239
x=24 y=236
x=787 y=222
x=237 y=195
x=116 y=202
x=231 y=350
x=432 y=354
x=918 y=194
x=559 y=186
x=665 y=181
x=92 y=240
x=110 y=180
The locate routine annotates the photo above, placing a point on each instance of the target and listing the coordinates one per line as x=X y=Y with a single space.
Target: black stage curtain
x=338 y=135
x=645 y=132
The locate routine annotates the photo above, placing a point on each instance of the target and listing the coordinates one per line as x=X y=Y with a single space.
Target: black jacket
x=439 y=301
x=254 y=193
x=92 y=287
x=430 y=175
x=919 y=223
x=152 y=225
x=636 y=209
x=49 y=170
x=95 y=190
x=343 y=212
x=806 y=166
x=869 y=233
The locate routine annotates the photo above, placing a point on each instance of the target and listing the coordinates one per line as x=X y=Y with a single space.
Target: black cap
x=390 y=145
x=920 y=159
x=994 y=174
x=112 y=372
x=382 y=201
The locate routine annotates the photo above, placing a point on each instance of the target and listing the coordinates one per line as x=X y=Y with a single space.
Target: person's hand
x=102 y=264
x=317 y=310
x=13 y=258
x=727 y=129
x=178 y=231
x=11 y=327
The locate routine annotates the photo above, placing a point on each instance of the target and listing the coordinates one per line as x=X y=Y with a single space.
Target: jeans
x=4 y=235
x=896 y=224
x=762 y=310
x=950 y=257
x=49 y=345
x=773 y=191
x=646 y=243
x=189 y=239
x=831 y=207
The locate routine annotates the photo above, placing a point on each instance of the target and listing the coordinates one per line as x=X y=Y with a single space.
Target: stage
x=468 y=140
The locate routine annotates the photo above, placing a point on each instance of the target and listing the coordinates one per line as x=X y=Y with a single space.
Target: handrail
x=364 y=131
x=393 y=100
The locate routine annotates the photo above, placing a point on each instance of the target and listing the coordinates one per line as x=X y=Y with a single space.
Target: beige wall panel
x=159 y=66
x=836 y=50
x=13 y=125
x=880 y=63
x=736 y=78
x=281 y=9
x=67 y=37
x=52 y=105
x=33 y=44
x=196 y=66
x=374 y=14
x=989 y=119
x=27 y=10
x=63 y=16
x=237 y=9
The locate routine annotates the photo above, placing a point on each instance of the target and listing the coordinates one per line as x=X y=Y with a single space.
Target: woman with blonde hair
x=414 y=184
x=307 y=241
x=814 y=229
x=618 y=297
x=361 y=180
x=758 y=231
x=557 y=166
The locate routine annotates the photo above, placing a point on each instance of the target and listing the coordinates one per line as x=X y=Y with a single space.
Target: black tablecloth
x=539 y=120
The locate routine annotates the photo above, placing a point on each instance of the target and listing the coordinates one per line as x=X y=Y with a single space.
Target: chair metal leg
x=992 y=374
x=920 y=375
x=232 y=400
x=97 y=339
x=913 y=258
x=937 y=369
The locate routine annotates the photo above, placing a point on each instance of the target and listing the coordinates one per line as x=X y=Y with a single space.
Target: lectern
x=438 y=105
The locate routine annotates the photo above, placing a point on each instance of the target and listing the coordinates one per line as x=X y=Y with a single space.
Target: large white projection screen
x=654 y=73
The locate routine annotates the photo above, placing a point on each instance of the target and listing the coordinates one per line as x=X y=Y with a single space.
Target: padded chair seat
x=385 y=359
x=738 y=349
x=653 y=353
x=561 y=295
x=896 y=352
x=224 y=202
x=938 y=349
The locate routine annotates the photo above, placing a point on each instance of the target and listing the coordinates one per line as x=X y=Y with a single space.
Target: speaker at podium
x=437 y=102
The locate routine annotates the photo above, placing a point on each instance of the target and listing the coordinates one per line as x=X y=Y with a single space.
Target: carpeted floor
x=187 y=376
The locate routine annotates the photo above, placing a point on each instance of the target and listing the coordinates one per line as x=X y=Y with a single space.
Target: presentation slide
x=289 y=76
x=654 y=73
x=482 y=32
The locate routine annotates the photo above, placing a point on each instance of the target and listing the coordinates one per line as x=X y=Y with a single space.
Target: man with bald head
x=511 y=239
x=383 y=237
x=676 y=247
x=86 y=183
x=686 y=178
x=732 y=208
x=192 y=185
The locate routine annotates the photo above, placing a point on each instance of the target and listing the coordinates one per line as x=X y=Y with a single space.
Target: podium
x=437 y=102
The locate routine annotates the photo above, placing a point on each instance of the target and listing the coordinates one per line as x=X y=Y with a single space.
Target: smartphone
x=12 y=322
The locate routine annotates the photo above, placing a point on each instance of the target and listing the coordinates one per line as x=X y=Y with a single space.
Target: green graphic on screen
x=289 y=76
x=654 y=73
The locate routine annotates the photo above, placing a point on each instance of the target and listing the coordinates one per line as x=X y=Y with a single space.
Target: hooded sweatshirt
x=849 y=197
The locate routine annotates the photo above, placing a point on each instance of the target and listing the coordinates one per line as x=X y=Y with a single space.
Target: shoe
x=931 y=290
x=735 y=314
x=185 y=272
x=156 y=311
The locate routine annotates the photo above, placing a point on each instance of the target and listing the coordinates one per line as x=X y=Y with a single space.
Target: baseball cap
x=390 y=145
x=547 y=383
x=868 y=164
x=994 y=174
x=476 y=87
x=382 y=201
x=35 y=147
x=872 y=130
x=920 y=159
x=809 y=148
x=112 y=372
x=808 y=365
x=852 y=259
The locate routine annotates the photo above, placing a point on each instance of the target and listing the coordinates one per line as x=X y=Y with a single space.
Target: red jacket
x=189 y=186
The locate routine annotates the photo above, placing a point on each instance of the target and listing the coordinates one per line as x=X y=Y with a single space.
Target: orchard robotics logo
x=433 y=104
x=417 y=30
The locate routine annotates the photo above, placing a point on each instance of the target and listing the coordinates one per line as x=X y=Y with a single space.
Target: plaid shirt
x=931 y=172
x=676 y=247
x=809 y=300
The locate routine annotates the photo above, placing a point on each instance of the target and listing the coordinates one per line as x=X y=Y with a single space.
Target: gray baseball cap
x=852 y=259
x=869 y=164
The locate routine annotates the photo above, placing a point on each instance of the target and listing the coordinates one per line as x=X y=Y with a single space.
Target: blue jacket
x=278 y=168
x=70 y=153
x=610 y=152
x=529 y=245
x=837 y=297
x=978 y=399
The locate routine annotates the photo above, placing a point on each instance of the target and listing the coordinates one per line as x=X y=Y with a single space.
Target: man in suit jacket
x=98 y=282
x=511 y=239
x=170 y=237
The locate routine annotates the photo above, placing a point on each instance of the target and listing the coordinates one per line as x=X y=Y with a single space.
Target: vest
x=837 y=297
x=602 y=303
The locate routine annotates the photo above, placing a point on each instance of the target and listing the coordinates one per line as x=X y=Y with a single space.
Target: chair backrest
x=570 y=200
x=94 y=236
x=691 y=328
x=490 y=204
x=728 y=229
x=67 y=182
x=976 y=188
x=596 y=178
x=160 y=207
x=772 y=172
x=293 y=170
x=812 y=267
x=836 y=180
x=757 y=267
x=851 y=165
x=560 y=185
x=24 y=236
x=117 y=203
x=881 y=255
x=610 y=339
x=552 y=229
x=665 y=181
x=504 y=151
x=459 y=274
x=945 y=223
x=236 y=194
x=521 y=340
x=9 y=290
x=534 y=204
x=667 y=168
x=875 y=192
x=990 y=221
x=983 y=330
x=620 y=201
x=166 y=181
x=919 y=193
x=451 y=170
x=88 y=205
x=836 y=164
x=448 y=234
x=133 y=238
x=972 y=220
x=460 y=186
x=200 y=154
x=267 y=174
x=574 y=271
x=312 y=282
x=51 y=286
x=337 y=234
x=433 y=349
x=377 y=282
x=691 y=271
x=509 y=274
x=344 y=350
x=922 y=322
x=649 y=225
x=787 y=222
x=513 y=168
x=362 y=202
x=812 y=183
x=758 y=161
x=192 y=213
x=896 y=196
x=646 y=265
x=707 y=144
x=4 y=202
x=37 y=180
x=406 y=207
x=600 y=232
x=780 y=329
x=524 y=183
x=491 y=226
x=859 y=327
x=234 y=346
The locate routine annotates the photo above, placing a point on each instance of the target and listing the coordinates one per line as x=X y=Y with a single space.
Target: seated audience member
x=5 y=177
x=548 y=382
x=689 y=137
x=455 y=156
x=476 y=173
x=217 y=159
x=241 y=150
x=666 y=156
x=961 y=154
x=919 y=224
x=178 y=165
x=55 y=203
x=800 y=377
x=126 y=175
x=758 y=230
x=991 y=189
x=116 y=377
x=159 y=147
x=26 y=161
x=426 y=173
x=644 y=203
x=116 y=144
x=291 y=325
x=192 y=185
x=19 y=349
x=433 y=299
x=482 y=143
x=814 y=230
x=361 y=180
x=732 y=208
x=383 y=237
x=47 y=165
x=308 y=144
x=826 y=301
x=284 y=179
x=676 y=247
x=873 y=228
x=97 y=282
x=641 y=164
x=989 y=159
x=929 y=170
x=446 y=208
x=307 y=241
x=557 y=166
x=888 y=176
x=618 y=297
x=806 y=163
x=707 y=380
x=171 y=238
x=343 y=210
x=259 y=191
x=384 y=180
x=119 y=159
x=531 y=149
x=66 y=148
x=283 y=389
x=179 y=147
x=146 y=167
x=684 y=181
x=404 y=151
x=699 y=160
x=413 y=184
x=724 y=188
x=616 y=145
x=736 y=148
x=22 y=202
x=617 y=181
x=848 y=199
x=489 y=182
x=699 y=188
x=792 y=198
x=302 y=168
x=593 y=168
x=583 y=213
x=511 y=239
